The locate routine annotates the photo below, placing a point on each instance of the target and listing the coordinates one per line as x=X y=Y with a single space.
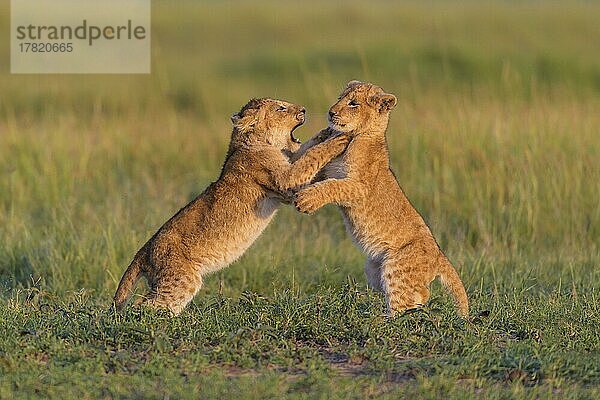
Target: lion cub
x=215 y=229
x=403 y=257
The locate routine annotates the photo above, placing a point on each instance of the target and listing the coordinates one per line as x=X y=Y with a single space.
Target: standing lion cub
x=220 y=224
x=403 y=257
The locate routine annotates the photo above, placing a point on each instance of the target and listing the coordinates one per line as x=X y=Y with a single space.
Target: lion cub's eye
x=352 y=103
x=282 y=108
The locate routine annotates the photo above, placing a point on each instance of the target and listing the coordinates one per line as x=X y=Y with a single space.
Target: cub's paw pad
x=341 y=140
x=306 y=201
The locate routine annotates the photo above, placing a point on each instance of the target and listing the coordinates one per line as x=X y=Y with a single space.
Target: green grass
x=496 y=140
x=332 y=343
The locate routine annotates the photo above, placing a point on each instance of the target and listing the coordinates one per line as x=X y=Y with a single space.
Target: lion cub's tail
x=452 y=282
x=128 y=281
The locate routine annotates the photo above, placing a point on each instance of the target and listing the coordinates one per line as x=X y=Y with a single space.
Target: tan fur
x=403 y=256
x=217 y=227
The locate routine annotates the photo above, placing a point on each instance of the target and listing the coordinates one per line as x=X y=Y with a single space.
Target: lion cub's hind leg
x=405 y=285
x=373 y=273
x=173 y=291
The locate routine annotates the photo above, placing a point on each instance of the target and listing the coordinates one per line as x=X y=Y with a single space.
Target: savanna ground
x=496 y=140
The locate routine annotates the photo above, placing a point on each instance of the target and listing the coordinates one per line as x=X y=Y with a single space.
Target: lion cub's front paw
x=308 y=201
x=339 y=142
x=325 y=134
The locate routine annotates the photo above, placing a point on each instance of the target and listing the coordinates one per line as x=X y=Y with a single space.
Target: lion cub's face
x=269 y=121
x=361 y=107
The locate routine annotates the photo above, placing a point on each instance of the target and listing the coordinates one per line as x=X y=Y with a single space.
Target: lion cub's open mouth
x=294 y=138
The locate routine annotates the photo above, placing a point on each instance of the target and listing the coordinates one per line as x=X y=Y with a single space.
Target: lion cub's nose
x=301 y=114
x=331 y=113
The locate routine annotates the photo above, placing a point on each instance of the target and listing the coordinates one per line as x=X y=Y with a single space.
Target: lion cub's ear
x=353 y=83
x=244 y=122
x=384 y=101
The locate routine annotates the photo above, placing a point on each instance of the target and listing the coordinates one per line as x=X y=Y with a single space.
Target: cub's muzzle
x=301 y=115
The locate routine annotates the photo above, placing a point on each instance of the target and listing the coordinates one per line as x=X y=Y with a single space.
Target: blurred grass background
x=496 y=140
